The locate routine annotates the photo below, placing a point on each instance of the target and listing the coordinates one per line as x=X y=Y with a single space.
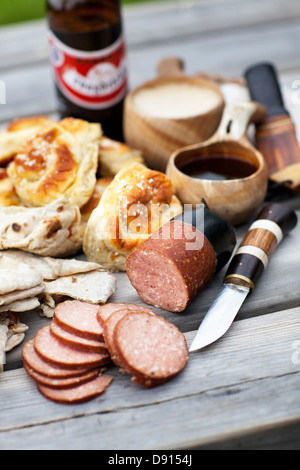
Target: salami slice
x=78 y=394
x=54 y=352
x=76 y=341
x=79 y=318
x=36 y=363
x=107 y=309
x=109 y=328
x=62 y=382
x=150 y=348
x=111 y=321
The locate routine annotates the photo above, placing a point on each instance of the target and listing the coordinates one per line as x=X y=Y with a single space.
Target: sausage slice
x=39 y=365
x=79 y=318
x=76 y=341
x=54 y=352
x=149 y=347
x=62 y=382
x=77 y=394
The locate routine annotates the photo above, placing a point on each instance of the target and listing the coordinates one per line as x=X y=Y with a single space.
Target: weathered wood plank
x=246 y=382
x=278 y=289
x=155 y=22
x=30 y=88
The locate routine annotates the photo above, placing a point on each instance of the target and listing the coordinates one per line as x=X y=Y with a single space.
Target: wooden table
x=242 y=392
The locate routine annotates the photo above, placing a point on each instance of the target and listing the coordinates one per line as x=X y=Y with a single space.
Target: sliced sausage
x=76 y=341
x=107 y=309
x=54 y=352
x=111 y=321
x=62 y=382
x=109 y=328
x=79 y=318
x=39 y=365
x=172 y=266
x=77 y=394
x=150 y=348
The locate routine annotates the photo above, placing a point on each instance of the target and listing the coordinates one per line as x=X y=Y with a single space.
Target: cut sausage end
x=157 y=280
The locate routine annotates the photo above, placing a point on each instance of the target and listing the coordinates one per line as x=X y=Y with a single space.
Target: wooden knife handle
x=273 y=223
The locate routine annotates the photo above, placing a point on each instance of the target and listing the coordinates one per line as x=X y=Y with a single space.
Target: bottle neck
x=86 y=25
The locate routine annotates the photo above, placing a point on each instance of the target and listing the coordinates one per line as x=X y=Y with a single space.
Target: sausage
x=77 y=394
x=54 y=352
x=62 y=382
x=150 y=348
x=112 y=314
x=107 y=309
x=76 y=341
x=38 y=365
x=80 y=318
x=172 y=266
x=176 y=262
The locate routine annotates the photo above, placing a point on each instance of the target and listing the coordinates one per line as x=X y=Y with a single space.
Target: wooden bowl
x=158 y=130
x=234 y=199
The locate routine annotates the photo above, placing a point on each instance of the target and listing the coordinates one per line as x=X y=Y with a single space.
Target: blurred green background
x=15 y=11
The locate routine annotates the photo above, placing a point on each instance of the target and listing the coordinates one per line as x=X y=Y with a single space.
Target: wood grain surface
x=242 y=391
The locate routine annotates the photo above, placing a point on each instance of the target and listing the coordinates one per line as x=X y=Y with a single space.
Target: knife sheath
x=276 y=136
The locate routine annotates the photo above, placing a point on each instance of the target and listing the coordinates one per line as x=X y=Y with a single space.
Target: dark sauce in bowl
x=218 y=167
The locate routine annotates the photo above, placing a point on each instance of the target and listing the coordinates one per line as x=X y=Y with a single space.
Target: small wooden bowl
x=235 y=199
x=158 y=137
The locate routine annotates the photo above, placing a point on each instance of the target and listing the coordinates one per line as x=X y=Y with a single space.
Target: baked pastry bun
x=114 y=156
x=57 y=162
x=17 y=134
x=8 y=195
x=101 y=185
x=135 y=204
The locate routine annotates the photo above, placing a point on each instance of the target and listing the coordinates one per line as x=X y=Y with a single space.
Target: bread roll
x=136 y=203
x=60 y=161
x=17 y=134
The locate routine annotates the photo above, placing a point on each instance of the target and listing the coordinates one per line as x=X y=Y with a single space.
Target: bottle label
x=93 y=80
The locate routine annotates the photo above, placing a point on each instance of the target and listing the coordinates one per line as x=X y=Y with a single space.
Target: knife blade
x=272 y=224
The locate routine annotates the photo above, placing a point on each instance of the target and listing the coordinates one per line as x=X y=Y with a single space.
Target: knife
x=276 y=136
x=273 y=223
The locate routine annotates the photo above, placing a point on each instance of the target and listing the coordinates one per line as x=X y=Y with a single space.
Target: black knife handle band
x=264 y=88
x=273 y=223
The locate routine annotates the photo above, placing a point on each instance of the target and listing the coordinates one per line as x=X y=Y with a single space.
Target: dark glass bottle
x=88 y=57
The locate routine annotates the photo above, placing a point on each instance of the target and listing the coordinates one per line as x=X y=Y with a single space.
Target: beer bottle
x=88 y=57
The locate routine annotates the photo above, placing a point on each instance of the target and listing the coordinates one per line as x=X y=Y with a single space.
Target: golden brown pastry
x=56 y=163
x=100 y=187
x=17 y=134
x=115 y=156
x=136 y=203
x=8 y=195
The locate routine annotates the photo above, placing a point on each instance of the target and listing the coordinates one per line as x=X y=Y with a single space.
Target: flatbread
x=11 y=297
x=52 y=230
x=94 y=287
x=15 y=276
x=24 y=305
x=52 y=268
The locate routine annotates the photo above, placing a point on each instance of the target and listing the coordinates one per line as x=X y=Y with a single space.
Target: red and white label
x=92 y=80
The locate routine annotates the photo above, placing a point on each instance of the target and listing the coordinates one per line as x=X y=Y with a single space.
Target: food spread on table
x=78 y=206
